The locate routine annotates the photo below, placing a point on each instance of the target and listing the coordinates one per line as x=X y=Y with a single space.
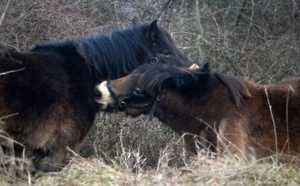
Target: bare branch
x=3 y=14
x=12 y=71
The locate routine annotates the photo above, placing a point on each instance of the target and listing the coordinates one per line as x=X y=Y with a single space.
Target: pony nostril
x=122 y=106
x=97 y=93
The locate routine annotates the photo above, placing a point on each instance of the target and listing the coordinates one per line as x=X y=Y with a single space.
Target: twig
x=12 y=71
x=8 y=116
x=238 y=18
x=166 y=6
x=3 y=14
x=273 y=120
x=250 y=25
x=290 y=89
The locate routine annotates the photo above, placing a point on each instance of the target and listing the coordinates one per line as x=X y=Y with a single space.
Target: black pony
x=48 y=92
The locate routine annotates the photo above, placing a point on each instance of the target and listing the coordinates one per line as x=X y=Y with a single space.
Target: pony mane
x=155 y=77
x=102 y=52
x=161 y=76
x=237 y=89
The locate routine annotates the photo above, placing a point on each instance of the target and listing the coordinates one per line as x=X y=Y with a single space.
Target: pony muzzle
x=103 y=96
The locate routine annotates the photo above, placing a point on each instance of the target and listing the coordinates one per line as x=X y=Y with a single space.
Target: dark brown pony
x=226 y=113
x=46 y=95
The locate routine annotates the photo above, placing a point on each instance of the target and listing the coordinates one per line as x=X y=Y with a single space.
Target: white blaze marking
x=106 y=97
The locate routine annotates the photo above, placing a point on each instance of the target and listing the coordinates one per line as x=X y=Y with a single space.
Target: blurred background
x=252 y=39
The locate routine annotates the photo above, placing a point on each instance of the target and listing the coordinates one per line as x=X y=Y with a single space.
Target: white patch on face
x=106 y=98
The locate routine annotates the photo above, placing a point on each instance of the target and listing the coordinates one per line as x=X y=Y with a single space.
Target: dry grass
x=201 y=171
x=254 y=39
x=118 y=159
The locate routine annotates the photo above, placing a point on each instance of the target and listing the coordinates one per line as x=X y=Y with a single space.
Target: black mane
x=112 y=55
x=103 y=51
x=153 y=78
x=162 y=76
x=237 y=88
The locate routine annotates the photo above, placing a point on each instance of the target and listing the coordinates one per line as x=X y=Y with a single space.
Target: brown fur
x=234 y=116
x=45 y=133
x=46 y=95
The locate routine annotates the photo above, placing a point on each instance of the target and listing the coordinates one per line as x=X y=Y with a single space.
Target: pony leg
x=54 y=160
x=232 y=138
x=57 y=158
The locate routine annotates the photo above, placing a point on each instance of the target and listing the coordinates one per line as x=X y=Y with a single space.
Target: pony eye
x=154 y=60
x=137 y=92
x=167 y=53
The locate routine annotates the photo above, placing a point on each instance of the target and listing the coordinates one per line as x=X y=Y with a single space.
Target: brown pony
x=226 y=113
x=46 y=95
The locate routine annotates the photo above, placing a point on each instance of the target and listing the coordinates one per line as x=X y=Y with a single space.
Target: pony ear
x=153 y=30
x=180 y=83
x=135 y=21
x=179 y=79
x=200 y=67
x=204 y=67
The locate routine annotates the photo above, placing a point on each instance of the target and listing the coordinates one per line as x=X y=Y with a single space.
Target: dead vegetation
x=257 y=40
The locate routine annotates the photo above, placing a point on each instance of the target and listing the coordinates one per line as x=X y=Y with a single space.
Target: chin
x=133 y=112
